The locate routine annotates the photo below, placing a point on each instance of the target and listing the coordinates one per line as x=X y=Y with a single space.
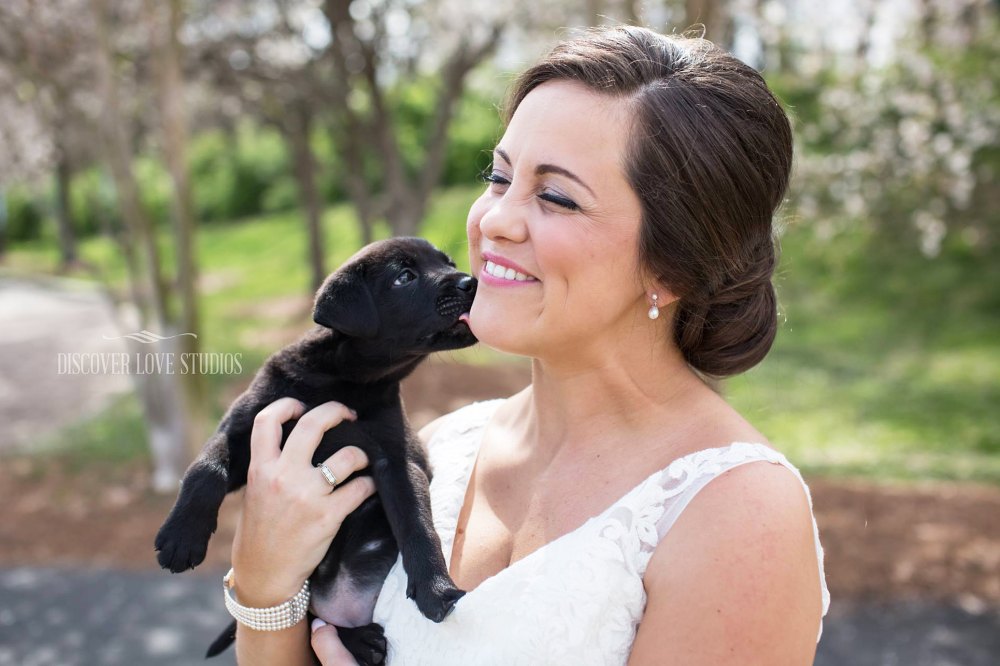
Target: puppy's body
x=379 y=316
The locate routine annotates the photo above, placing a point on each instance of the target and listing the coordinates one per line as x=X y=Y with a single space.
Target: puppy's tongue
x=464 y=317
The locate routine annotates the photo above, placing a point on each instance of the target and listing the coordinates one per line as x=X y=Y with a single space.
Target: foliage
x=24 y=214
x=92 y=202
x=247 y=171
x=474 y=133
x=885 y=364
x=909 y=148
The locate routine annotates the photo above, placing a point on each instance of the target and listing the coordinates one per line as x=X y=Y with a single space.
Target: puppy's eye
x=405 y=276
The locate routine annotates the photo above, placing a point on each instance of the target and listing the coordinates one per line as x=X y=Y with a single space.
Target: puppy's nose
x=468 y=283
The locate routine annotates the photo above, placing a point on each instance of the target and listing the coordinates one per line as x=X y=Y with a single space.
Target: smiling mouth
x=505 y=273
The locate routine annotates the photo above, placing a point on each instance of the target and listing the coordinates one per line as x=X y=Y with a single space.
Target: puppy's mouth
x=452 y=305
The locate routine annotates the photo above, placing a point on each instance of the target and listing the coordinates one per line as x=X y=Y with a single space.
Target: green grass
x=886 y=364
x=113 y=437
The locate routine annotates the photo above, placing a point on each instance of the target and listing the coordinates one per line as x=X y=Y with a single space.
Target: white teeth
x=496 y=270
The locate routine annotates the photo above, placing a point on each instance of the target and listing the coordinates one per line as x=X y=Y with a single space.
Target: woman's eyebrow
x=543 y=169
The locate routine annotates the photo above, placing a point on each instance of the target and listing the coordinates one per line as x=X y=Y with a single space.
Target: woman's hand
x=327 y=646
x=289 y=514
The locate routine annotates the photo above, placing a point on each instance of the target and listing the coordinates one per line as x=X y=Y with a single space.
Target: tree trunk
x=354 y=179
x=633 y=12
x=298 y=126
x=175 y=135
x=404 y=218
x=927 y=23
x=158 y=392
x=64 y=218
x=356 y=63
x=865 y=38
x=167 y=61
x=3 y=224
x=594 y=12
x=714 y=15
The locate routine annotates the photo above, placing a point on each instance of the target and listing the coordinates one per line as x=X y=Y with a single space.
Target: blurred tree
x=40 y=49
x=715 y=16
x=162 y=396
x=371 y=46
x=299 y=67
x=279 y=77
x=909 y=148
x=165 y=20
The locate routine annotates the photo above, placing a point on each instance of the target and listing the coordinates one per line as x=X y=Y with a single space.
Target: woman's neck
x=589 y=407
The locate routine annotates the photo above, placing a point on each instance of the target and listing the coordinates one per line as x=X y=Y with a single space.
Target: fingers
x=327 y=646
x=265 y=438
x=347 y=498
x=308 y=432
x=345 y=462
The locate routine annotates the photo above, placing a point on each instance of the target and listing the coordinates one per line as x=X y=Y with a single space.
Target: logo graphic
x=147 y=337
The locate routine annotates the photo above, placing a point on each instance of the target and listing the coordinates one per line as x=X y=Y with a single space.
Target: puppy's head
x=400 y=296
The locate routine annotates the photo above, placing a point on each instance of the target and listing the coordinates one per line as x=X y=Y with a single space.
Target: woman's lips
x=500 y=271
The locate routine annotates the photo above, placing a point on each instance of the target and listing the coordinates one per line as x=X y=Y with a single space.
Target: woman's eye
x=493 y=178
x=558 y=200
x=405 y=276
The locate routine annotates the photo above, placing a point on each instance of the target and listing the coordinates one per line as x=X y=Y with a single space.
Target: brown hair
x=709 y=156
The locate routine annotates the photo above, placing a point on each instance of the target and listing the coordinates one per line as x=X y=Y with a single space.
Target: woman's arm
x=288 y=520
x=736 y=579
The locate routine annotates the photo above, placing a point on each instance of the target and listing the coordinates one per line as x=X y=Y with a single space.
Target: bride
x=617 y=510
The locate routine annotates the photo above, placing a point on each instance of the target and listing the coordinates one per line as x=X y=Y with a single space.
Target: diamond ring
x=328 y=475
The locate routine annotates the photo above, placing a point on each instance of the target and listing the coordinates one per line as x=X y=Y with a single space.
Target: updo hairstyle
x=709 y=155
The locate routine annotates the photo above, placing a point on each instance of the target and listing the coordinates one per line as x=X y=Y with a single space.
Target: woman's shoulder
x=745 y=550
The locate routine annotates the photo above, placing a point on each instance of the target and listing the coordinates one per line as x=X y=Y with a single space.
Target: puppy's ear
x=345 y=304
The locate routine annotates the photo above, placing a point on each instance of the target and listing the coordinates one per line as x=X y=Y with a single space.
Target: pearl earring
x=654 y=311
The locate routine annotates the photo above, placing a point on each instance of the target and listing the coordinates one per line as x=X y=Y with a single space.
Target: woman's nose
x=504 y=220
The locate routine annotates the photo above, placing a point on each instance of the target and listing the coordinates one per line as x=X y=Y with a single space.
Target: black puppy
x=379 y=316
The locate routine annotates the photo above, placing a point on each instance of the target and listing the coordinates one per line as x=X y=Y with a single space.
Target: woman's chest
x=509 y=513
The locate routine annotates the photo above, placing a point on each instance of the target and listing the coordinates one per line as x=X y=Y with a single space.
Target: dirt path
x=938 y=542
x=40 y=321
x=82 y=618
x=914 y=570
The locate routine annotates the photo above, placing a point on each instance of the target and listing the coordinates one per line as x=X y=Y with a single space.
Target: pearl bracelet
x=275 y=618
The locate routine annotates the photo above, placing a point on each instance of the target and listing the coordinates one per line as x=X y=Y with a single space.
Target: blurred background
x=177 y=177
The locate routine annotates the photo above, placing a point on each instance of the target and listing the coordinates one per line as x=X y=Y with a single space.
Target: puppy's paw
x=182 y=546
x=366 y=643
x=436 y=598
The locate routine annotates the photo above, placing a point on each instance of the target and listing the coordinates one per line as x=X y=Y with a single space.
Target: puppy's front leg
x=182 y=541
x=404 y=490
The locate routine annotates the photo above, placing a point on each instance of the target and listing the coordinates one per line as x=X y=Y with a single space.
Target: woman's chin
x=497 y=331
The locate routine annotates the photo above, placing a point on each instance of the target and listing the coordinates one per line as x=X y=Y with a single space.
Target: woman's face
x=554 y=238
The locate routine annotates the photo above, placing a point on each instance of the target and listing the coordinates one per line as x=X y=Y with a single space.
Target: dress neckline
x=458 y=499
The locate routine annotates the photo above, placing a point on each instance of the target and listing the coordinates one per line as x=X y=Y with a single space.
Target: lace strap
x=687 y=476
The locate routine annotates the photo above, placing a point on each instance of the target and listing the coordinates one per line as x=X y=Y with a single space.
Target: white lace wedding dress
x=578 y=600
